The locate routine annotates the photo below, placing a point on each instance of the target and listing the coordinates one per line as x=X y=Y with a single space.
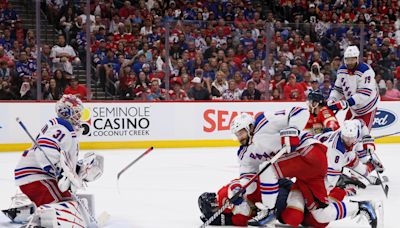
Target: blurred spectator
x=51 y=90
x=232 y=93
x=25 y=66
x=155 y=93
x=316 y=74
x=6 y=92
x=293 y=90
x=276 y=95
x=62 y=55
x=76 y=89
x=261 y=84
x=251 y=93
x=141 y=85
x=4 y=71
x=197 y=91
x=381 y=84
x=326 y=88
x=391 y=93
x=60 y=79
x=219 y=85
x=177 y=93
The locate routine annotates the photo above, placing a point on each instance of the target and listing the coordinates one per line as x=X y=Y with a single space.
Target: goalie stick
x=239 y=193
x=91 y=221
x=133 y=162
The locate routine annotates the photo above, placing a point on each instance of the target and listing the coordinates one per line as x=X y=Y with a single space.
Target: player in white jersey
x=355 y=88
x=261 y=139
x=58 y=148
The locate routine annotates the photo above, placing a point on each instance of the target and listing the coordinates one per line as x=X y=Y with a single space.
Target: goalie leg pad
x=64 y=214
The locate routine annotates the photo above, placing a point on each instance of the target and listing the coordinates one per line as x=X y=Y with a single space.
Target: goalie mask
x=70 y=108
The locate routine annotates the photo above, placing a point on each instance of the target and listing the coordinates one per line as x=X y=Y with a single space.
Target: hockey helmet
x=350 y=131
x=208 y=203
x=349 y=53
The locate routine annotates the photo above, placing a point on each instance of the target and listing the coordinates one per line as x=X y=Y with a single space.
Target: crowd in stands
x=203 y=50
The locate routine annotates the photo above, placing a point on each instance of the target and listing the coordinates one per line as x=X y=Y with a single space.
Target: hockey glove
x=233 y=189
x=68 y=179
x=90 y=168
x=339 y=105
x=350 y=191
x=368 y=144
x=290 y=138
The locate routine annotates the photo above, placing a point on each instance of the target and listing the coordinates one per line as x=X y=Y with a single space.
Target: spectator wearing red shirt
x=293 y=90
x=177 y=93
x=127 y=10
x=76 y=89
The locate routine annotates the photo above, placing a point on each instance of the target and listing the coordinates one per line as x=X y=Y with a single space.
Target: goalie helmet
x=350 y=131
x=70 y=108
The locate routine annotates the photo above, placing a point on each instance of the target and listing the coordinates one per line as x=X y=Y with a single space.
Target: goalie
x=48 y=172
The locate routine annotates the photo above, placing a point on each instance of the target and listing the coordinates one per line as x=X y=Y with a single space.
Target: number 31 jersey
x=56 y=136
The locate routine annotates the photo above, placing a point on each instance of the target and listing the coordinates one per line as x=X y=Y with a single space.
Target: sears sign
x=384 y=118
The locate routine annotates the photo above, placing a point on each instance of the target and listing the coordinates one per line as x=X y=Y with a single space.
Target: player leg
x=309 y=166
x=337 y=210
x=44 y=192
x=293 y=214
x=367 y=119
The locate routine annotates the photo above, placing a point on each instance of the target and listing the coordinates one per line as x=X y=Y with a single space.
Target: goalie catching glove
x=90 y=168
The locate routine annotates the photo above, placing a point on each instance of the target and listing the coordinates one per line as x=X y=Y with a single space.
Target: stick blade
x=386 y=190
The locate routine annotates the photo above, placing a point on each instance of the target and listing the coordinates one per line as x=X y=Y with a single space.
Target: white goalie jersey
x=358 y=88
x=56 y=136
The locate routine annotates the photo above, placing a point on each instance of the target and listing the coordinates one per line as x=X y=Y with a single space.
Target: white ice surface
x=161 y=190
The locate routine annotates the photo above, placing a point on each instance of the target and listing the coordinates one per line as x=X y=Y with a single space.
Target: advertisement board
x=164 y=124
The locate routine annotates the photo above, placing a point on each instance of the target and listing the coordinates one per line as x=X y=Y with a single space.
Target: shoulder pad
x=363 y=67
x=62 y=122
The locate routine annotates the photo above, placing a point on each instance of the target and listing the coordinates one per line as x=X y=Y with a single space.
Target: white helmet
x=70 y=107
x=351 y=52
x=350 y=131
x=242 y=121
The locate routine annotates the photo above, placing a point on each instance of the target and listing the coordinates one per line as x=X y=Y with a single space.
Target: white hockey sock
x=335 y=211
x=269 y=187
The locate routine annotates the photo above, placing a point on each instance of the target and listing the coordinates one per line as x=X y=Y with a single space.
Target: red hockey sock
x=292 y=216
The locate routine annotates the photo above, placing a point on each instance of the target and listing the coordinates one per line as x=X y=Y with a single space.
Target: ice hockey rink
x=161 y=190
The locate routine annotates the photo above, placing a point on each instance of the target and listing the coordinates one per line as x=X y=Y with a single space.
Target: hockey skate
x=264 y=217
x=372 y=212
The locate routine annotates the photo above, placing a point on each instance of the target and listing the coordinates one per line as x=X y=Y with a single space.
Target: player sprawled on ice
x=261 y=139
x=322 y=119
x=243 y=209
x=340 y=154
x=47 y=188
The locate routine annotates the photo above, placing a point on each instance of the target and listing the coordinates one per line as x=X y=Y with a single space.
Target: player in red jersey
x=321 y=117
x=244 y=208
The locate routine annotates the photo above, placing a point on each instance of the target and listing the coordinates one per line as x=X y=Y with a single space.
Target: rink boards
x=117 y=125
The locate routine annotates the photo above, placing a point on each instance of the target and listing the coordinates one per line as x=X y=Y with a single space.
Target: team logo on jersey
x=384 y=118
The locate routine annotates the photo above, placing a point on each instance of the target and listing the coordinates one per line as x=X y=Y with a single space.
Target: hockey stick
x=85 y=210
x=385 y=187
x=382 y=136
x=238 y=194
x=133 y=162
